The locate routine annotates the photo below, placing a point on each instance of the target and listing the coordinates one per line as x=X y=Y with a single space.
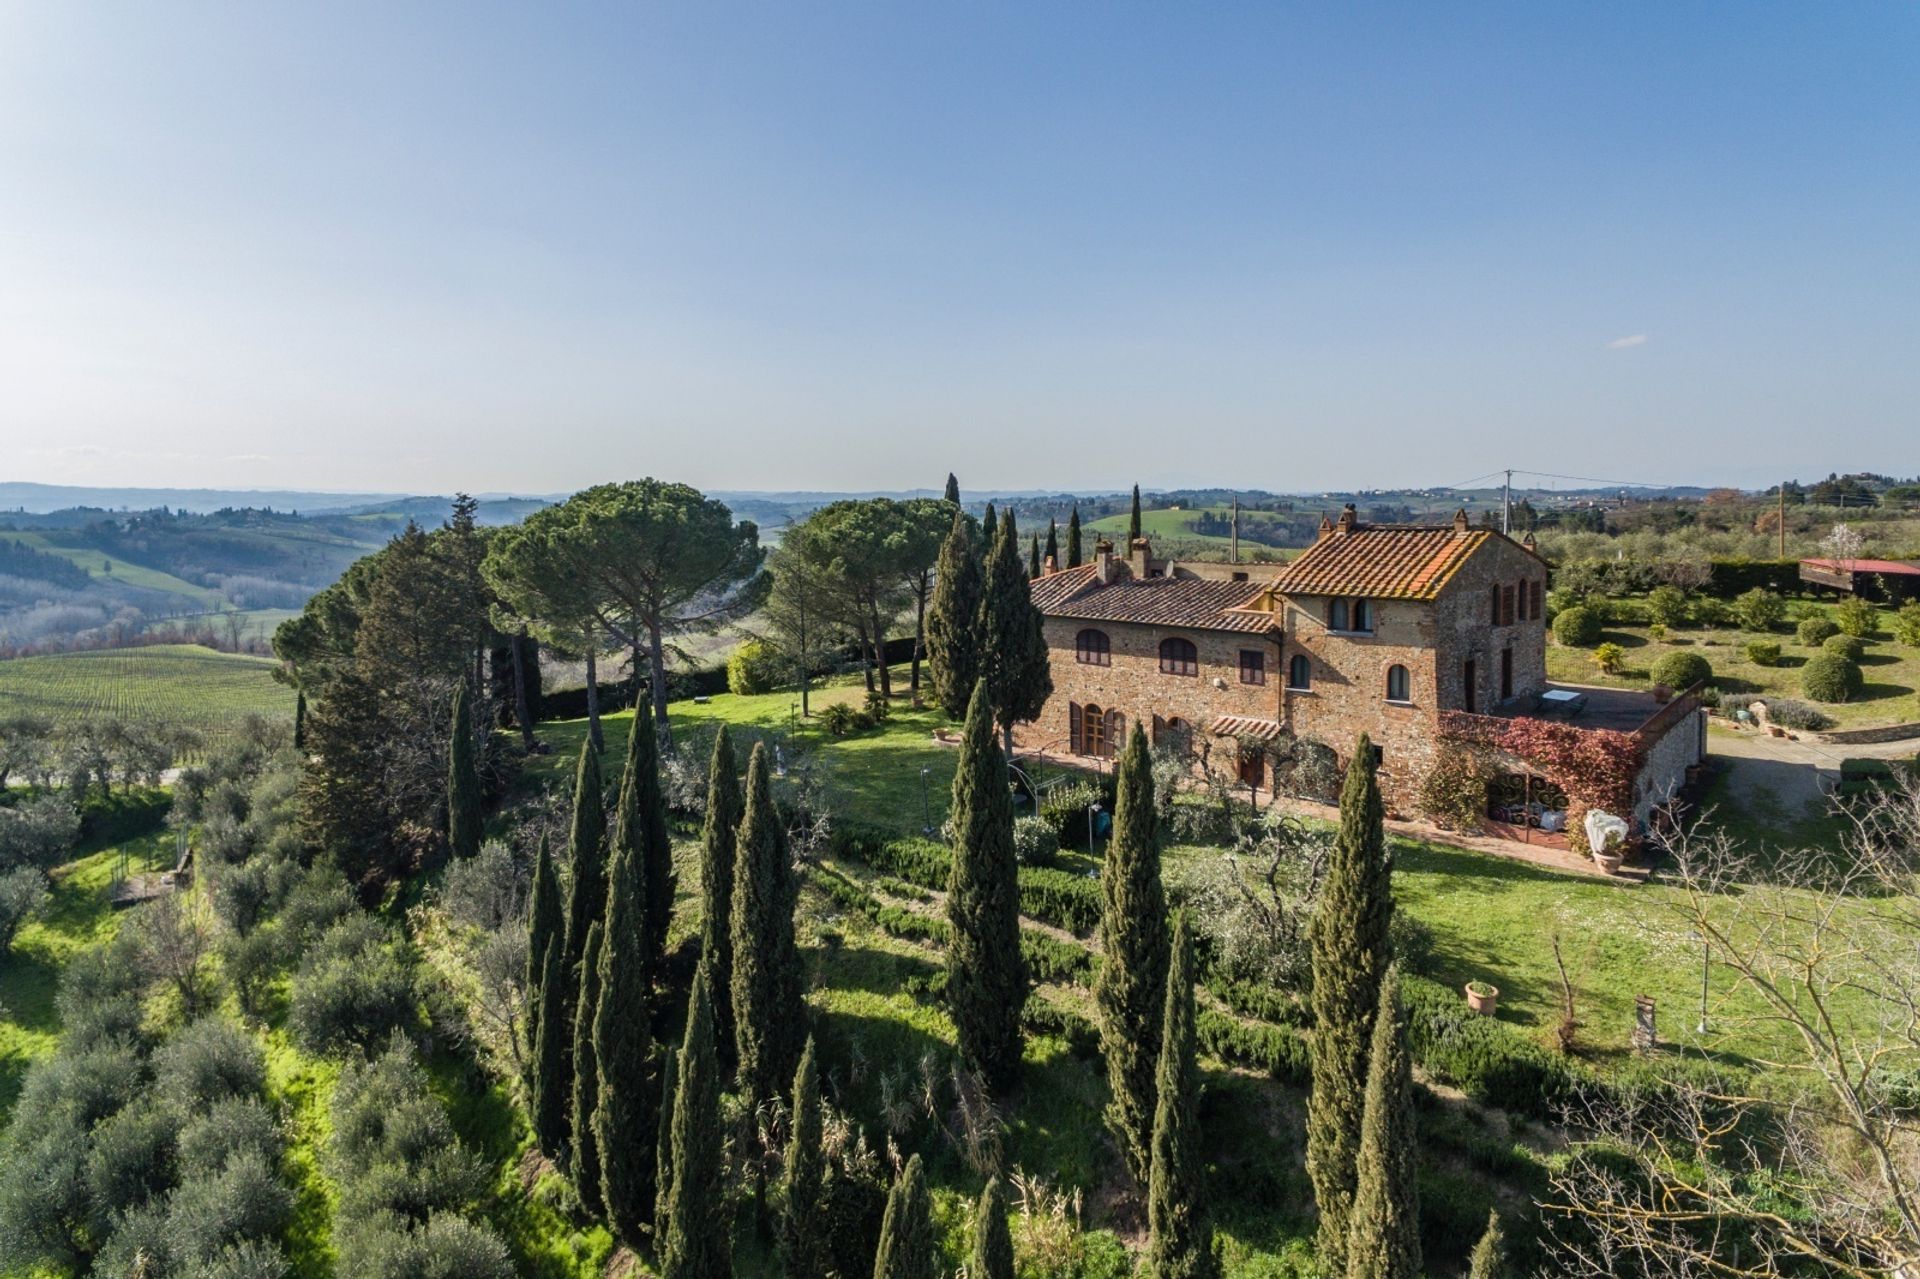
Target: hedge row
x=1057 y=897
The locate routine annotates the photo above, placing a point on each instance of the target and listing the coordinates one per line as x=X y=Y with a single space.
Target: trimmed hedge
x=1484 y=1058
x=1829 y=677
x=1764 y=653
x=1851 y=647
x=1578 y=627
x=1059 y=897
x=1681 y=670
x=1813 y=631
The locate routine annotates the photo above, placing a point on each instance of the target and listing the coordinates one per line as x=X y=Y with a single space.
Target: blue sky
x=1043 y=245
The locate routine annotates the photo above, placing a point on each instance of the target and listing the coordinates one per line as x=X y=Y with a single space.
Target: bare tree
x=173 y=936
x=1821 y=1171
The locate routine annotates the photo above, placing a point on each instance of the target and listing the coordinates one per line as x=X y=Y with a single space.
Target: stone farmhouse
x=1390 y=630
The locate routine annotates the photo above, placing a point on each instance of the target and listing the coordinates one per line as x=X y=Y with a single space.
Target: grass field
x=107 y=567
x=180 y=684
x=1169 y=531
x=1892 y=670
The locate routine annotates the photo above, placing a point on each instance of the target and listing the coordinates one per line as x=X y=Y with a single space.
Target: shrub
x=1829 y=677
x=1657 y=632
x=1759 y=609
x=132 y=1159
x=1798 y=716
x=23 y=890
x=754 y=668
x=1856 y=617
x=1681 y=670
x=1667 y=606
x=1453 y=795
x=229 y=1129
x=1577 y=628
x=1813 y=631
x=842 y=720
x=1486 y=1059
x=354 y=988
x=1035 y=843
x=1906 y=624
x=1763 y=652
x=1850 y=647
x=1712 y=612
x=209 y=1061
x=1610 y=658
x=39 y=832
x=878 y=708
x=245 y=1200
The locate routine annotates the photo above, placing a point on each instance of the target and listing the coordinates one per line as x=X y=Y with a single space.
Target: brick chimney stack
x=1461 y=524
x=1140 y=557
x=1103 y=561
x=1348 y=518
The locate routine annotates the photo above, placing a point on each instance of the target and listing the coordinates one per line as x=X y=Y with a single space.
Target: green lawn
x=1892 y=670
x=1173 y=529
x=111 y=568
x=175 y=684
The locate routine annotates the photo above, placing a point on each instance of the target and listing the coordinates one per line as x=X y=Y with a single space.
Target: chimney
x=1326 y=526
x=1461 y=524
x=1348 y=518
x=1528 y=543
x=1103 y=561
x=1048 y=567
x=1140 y=557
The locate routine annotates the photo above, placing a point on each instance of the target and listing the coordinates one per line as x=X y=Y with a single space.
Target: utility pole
x=1783 y=519
x=1506 y=505
x=1233 y=551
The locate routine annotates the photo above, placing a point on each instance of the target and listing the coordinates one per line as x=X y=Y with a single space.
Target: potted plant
x=1609 y=858
x=1662 y=694
x=1483 y=997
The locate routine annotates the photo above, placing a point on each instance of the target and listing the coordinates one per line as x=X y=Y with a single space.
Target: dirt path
x=1788 y=775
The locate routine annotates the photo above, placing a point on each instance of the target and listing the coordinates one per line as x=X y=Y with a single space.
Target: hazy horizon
x=832 y=248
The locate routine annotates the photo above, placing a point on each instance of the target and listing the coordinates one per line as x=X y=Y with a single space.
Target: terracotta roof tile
x=1383 y=561
x=1190 y=602
x=1245 y=726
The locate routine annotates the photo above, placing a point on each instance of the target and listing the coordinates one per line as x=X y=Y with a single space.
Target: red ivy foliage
x=1595 y=766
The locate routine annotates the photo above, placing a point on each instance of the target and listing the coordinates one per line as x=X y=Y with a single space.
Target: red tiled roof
x=1866 y=566
x=1384 y=561
x=1191 y=602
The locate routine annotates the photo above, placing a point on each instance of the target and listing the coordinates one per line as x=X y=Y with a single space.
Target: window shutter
x=1073 y=727
x=1116 y=732
x=1159 y=730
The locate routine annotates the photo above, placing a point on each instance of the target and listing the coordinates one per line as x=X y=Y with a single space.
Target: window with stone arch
x=1092 y=648
x=1178 y=656
x=1399 y=687
x=1300 y=673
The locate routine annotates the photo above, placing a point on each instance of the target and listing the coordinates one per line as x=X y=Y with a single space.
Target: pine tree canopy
x=1130 y=990
x=1383 y=1232
x=986 y=976
x=1349 y=948
x=1179 y=1234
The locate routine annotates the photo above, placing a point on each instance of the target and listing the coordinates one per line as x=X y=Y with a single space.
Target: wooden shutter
x=1073 y=727
x=1116 y=732
x=1159 y=730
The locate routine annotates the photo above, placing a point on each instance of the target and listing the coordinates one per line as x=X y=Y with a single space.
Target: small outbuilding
x=1869 y=579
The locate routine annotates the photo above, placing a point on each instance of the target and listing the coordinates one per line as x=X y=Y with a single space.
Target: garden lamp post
x=1093 y=811
x=926 y=806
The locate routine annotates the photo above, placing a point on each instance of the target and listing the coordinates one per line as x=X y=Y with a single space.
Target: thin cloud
x=1621 y=344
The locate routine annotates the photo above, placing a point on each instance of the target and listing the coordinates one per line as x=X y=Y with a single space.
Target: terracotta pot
x=1608 y=862
x=1662 y=694
x=1483 y=1004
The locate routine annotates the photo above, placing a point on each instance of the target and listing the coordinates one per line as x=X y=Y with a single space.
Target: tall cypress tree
x=463 y=781
x=805 y=1249
x=992 y=1243
x=989 y=522
x=1053 y=543
x=640 y=827
x=546 y=926
x=906 y=1232
x=769 y=1017
x=623 y=1045
x=583 y=1151
x=663 y=1147
x=697 y=1243
x=1131 y=988
x=719 y=844
x=1179 y=1234
x=986 y=977
x=1133 y=520
x=1013 y=644
x=552 y=1059
x=1073 y=539
x=1348 y=941
x=300 y=720
x=953 y=488
x=1033 y=557
x=587 y=863
x=953 y=618
x=1383 y=1231
x=1489 y=1260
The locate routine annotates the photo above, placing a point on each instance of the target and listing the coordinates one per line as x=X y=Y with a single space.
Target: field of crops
x=180 y=684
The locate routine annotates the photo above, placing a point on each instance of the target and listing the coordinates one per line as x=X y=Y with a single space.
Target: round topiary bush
x=1764 y=653
x=1681 y=670
x=1813 y=631
x=1578 y=627
x=1850 y=647
x=1829 y=677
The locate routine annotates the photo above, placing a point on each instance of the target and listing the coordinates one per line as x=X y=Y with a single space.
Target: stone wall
x=1665 y=770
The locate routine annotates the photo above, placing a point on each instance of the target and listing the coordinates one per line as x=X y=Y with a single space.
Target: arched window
x=1178 y=656
x=1363 y=615
x=1299 y=672
x=1093 y=731
x=1337 y=615
x=1397 y=685
x=1090 y=648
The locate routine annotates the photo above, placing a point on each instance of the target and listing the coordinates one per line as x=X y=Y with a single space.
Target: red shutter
x=1073 y=727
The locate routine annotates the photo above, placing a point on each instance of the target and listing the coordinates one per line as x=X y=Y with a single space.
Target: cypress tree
x=663 y=1149
x=623 y=1047
x=953 y=619
x=1179 y=1235
x=989 y=522
x=546 y=925
x=1012 y=643
x=719 y=840
x=1133 y=520
x=640 y=828
x=1033 y=558
x=1131 y=988
x=583 y=1152
x=587 y=855
x=986 y=977
x=300 y=720
x=552 y=1062
x=992 y=1244
x=906 y=1232
x=1489 y=1260
x=697 y=1243
x=805 y=1248
x=1348 y=940
x=953 y=489
x=1053 y=543
x=1383 y=1233
x=769 y=1018
x=463 y=781
x=1073 y=539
